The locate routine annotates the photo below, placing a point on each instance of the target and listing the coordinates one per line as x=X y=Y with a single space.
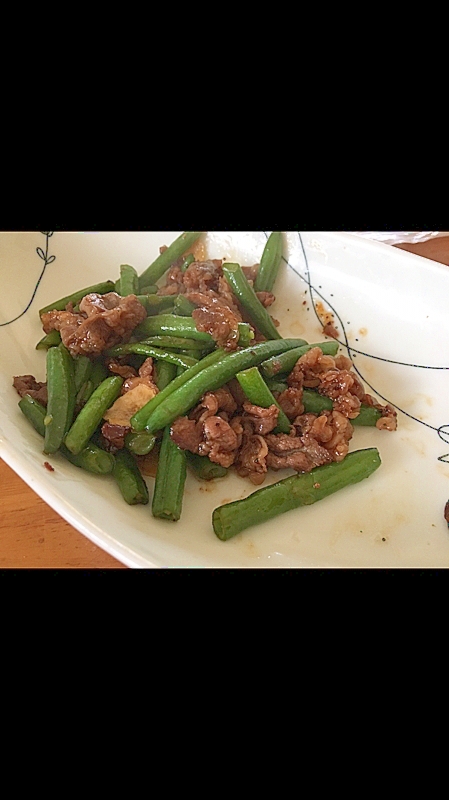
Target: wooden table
x=33 y=536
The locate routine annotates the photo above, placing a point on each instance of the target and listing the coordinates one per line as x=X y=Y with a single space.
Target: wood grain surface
x=33 y=536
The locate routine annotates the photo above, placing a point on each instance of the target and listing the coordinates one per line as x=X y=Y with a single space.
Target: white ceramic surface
x=390 y=309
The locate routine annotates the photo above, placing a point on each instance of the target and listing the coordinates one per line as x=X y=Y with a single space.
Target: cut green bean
x=185 y=328
x=293 y=492
x=158 y=303
x=140 y=444
x=129 y=280
x=139 y=419
x=92 y=413
x=82 y=371
x=171 y=325
x=76 y=297
x=174 y=251
x=129 y=479
x=269 y=263
x=144 y=349
x=276 y=385
x=367 y=416
x=52 y=339
x=61 y=397
x=170 y=480
x=284 y=363
x=176 y=343
x=165 y=374
x=152 y=288
x=203 y=468
x=91 y=458
x=187 y=262
x=156 y=415
x=259 y=394
x=183 y=307
x=248 y=299
x=315 y=403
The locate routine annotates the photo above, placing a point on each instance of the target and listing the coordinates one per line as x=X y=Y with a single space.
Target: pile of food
x=185 y=363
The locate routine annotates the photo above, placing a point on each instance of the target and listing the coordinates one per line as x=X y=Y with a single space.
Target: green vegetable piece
x=61 y=397
x=247 y=297
x=52 y=339
x=139 y=419
x=183 y=307
x=152 y=288
x=367 y=416
x=91 y=457
x=156 y=414
x=129 y=479
x=171 y=325
x=259 y=394
x=129 y=280
x=158 y=303
x=144 y=349
x=140 y=444
x=82 y=371
x=76 y=297
x=170 y=480
x=315 y=403
x=167 y=342
x=187 y=262
x=174 y=251
x=283 y=364
x=203 y=468
x=269 y=263
x=293 y=492
x=92 y=413
x=165 y=374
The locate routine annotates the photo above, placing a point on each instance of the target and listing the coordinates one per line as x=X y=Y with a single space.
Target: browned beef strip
x=220 y=441
x=27 y=384
x=103 y=321
x=114 y=436
x=291 y=402
x=262 y=420
x=187 y=434
x=203 y=276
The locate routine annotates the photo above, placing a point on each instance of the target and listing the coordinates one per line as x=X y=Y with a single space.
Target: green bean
x=92 y=413
x=283 y=364
x=76 y=297
x=144 y=349
x=259 y=394
x=152 y=288
x=170 y=480
x=129 y=479
x=156 y=415
x=34 y=412
x=269 y=263
x=139 y=419
x=183 y=307
x=141 y=443
x=248 y=299
x=91 y=458
x=293 y=492
x=158 y=303
x=61 y=397
x=187 y=262
x=367 y=416
x=276 y=385
x=82 y=371
x=203 y=468
x=176 y=343
x=171 y=325
x=129 y=280
x=165 y=374
x=166 y=259
x=315 y=403
x=51 y=339
x=185 y=327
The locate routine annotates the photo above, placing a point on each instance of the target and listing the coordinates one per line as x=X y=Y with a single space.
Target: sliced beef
x=102 y=322
x=27 y=384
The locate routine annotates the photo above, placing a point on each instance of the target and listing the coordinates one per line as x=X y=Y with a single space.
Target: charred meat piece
x=27 y=384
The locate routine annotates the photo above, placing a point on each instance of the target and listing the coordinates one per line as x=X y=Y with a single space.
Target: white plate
x=391 y=306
